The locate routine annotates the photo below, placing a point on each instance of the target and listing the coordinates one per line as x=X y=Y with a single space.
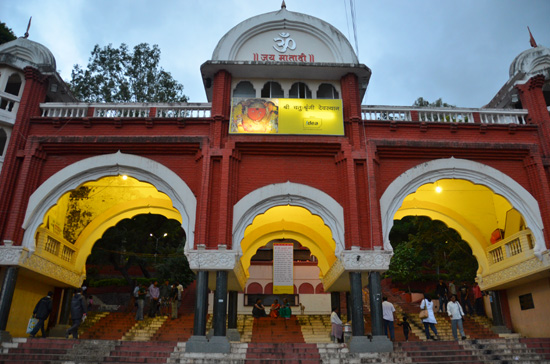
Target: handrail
x=513 y=245
x=447 y=114
x=126 y=110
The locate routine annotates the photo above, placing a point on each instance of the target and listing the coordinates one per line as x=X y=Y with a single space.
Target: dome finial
x=531 y=39
x=283 y=5
x=28 y=27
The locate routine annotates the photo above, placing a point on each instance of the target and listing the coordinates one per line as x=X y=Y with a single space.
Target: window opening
x=244 y=89
x=327 y=91
x=272 y=90
x=299 y=91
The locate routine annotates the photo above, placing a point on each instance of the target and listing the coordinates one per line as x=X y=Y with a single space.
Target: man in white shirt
x=455 y=313
x=180 y=292
x=387 y=315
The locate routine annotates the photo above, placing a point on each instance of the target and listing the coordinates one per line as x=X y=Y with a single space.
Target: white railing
x=64 y=110
x=446 y=115
x=128 y=110
x=8 y=102
x=503 y=117
x=456 y=115
x=510 y=247
x=121 y=111
x=184 y=111
x=386 y=113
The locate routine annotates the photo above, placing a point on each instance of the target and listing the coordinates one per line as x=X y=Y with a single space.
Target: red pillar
x=19 y=172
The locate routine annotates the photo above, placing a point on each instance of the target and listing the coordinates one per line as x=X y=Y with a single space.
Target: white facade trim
x=478 y=173
x=293 y=194
x=91 y=169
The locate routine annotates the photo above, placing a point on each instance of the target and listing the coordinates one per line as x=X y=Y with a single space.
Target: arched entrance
x=71 y=210
x=500 y=220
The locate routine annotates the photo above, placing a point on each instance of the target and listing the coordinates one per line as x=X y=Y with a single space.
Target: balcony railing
x=517 y=246
x=8 y=105
x=55 y=246
x=128 y=110
x=203 y=110
x=455 y=115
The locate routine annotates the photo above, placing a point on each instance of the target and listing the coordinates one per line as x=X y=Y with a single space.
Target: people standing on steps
x=387 y=315
x=478 y=300
x=41 y=312
x=140 y=301
x=430 y=321
x=174 y=301
x=154 y=295
x=78 y=313
x=406 y=327
x=442 y=291
x=456 y=313
x=337 y=325
x=465 y=298
x=452 y=288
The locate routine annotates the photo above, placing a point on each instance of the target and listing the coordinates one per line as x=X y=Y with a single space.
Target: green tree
x=148 y=241
x=121 y=75
x=421 y=102
x=430 y=246
x=405 y=265
x=6 y=34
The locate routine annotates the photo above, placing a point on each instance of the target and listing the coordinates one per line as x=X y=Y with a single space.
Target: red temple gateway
x=283 y=154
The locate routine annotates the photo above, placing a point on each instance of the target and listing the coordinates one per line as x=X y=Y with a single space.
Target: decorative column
x=219 y=342
x=232 y=332
x=198 y=342
x=356 y=314
x=375 y=296
x=6 y=296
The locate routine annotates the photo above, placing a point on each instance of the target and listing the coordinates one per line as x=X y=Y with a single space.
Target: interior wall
x=27 y=294
x=531 y=322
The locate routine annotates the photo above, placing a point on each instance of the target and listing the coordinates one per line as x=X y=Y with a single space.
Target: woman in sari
x=285 y=311
x=275 y=309
x=259 y=309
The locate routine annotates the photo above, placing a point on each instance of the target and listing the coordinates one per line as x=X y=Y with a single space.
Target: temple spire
x=28 y=27
x=531 y=39
x=283 y=5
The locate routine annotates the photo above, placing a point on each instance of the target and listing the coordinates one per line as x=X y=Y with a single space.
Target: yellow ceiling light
x=438 y=189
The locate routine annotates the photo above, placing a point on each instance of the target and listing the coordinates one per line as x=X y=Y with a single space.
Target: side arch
x=143 y=169
x=452 y=168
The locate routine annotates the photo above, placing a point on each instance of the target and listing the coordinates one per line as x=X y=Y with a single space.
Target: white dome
x=532 y=61
x=277 y=35
x=22 y=52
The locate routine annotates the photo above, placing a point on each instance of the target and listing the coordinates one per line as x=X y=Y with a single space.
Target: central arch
x=289 y=211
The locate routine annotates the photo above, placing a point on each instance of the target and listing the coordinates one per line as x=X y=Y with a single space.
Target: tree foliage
x=121 y=75
x=425 y=249
x=6 y=34
x=150 y=242
x=421 y=102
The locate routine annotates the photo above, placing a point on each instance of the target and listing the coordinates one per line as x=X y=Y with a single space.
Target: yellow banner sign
x=286 y=116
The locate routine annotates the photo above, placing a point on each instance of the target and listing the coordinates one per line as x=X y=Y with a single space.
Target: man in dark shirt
x=41 y=312
x=442 y=292
x=78 y=313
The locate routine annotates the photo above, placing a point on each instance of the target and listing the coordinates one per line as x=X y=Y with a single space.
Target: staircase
x=276 y=330
x=487 y=351
x=315 y=328
x=477 y=327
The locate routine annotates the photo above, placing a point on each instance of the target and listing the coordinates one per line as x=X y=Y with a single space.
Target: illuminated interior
x=290 y=223
x=81 y=216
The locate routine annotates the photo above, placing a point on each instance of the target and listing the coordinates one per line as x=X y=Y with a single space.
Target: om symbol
x=284 y=43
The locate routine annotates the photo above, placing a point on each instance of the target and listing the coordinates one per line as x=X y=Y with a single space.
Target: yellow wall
x=27 y=294
x=533 y=322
